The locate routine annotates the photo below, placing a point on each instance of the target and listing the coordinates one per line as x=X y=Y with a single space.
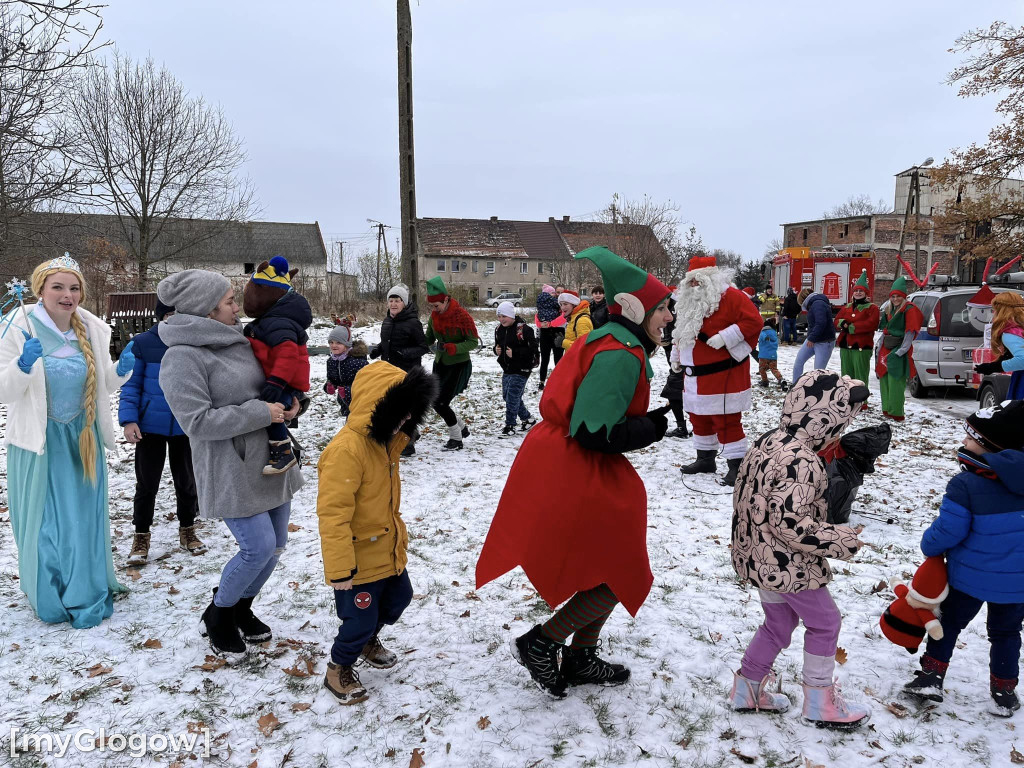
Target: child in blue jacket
x=149 y=424
x=768 y=353
x=980 y=530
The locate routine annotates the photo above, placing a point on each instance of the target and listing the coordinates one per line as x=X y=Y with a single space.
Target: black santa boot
x=704 y=464
x=734 y=469
x=218 y=624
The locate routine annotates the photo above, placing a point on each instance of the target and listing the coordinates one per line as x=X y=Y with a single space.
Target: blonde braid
x=87 y=438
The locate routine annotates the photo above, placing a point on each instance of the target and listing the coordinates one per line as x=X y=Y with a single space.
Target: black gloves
x=557 y=339
x=660 y=420
x=753 y=354
x=375 y=351
x=988 y=368
x=272 y=390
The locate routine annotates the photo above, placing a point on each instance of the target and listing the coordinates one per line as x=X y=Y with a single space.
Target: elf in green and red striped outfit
x=453 y=335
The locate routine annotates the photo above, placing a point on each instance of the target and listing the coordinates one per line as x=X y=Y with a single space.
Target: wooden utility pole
x=406 y=165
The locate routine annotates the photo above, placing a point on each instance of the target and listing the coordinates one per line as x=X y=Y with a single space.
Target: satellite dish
x=463 y=265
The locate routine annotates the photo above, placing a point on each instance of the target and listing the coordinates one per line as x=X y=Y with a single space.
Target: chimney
x=493 y=219
x=565 y=219
x=551 y=219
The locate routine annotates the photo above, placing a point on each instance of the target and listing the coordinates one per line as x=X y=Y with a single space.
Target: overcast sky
x=745 y=114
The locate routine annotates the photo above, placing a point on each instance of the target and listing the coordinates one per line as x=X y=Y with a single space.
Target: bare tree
x=378 y=271
x=727 y=259
x=857 y=205
x=646 y=232
x=107 y=268
x=158 y=156
x=772 y=248
x=42 y=45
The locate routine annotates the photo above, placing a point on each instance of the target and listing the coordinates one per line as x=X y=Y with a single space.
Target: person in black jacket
x=598 y=306
x=402 y=341
x=790 y=312
x=518 y=353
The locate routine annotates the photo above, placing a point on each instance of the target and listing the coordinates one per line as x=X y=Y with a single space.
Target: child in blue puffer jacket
x=980 y=530
x=149 y=424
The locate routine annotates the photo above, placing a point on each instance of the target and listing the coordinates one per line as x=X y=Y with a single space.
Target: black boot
x=1004 y=697
x=705 y=463
x=734 y=468
x=582 y=665
x=281 y=458
x=219 y=625
x=252 y=629
x=925 y=685
x=539 y=655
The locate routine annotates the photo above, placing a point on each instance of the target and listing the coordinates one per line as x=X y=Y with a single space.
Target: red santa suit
x=715 y=339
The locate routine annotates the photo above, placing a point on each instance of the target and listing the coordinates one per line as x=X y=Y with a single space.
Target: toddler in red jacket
x=278 y=338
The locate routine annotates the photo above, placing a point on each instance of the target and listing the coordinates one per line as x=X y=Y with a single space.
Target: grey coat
x=212 y=381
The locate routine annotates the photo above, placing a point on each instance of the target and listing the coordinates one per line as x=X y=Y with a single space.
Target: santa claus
x=716 y=329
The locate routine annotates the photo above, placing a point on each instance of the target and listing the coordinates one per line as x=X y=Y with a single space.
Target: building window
x=490 y=293
x=455 y=265
x=248 y=268
x=476 y=265
x=441 y=265
x=805 y=234
x=540 y=267
x=489 y=268
x=524 y=267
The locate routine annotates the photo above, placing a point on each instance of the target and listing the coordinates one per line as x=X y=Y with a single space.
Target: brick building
x=487 y=257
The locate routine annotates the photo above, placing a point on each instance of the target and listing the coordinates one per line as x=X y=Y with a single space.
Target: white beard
x=695 y=304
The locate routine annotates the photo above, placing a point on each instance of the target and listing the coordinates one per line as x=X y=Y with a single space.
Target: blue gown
x=60 y=520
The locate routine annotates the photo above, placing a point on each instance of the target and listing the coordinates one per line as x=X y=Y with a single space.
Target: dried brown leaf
x=98 y=669
x=296 y=707
x=464 y=615
x=390 y=752
x=841 y=656
x=268 y=724
x=745 y=758
x=483 y=723
x=1015 y=756
x=152 y=643
x=134 y=574
x=897 y=709
x=292 y=527
x=417 y=761
x=880 y=587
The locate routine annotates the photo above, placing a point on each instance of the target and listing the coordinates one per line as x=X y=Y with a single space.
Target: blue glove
x=126 y=362
x=31 y=352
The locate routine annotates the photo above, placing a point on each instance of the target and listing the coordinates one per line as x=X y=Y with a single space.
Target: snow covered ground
x=457 y=698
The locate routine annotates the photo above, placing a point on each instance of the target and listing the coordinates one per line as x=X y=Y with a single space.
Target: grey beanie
x=193 y=291
x=401 y=292
x=341 y=334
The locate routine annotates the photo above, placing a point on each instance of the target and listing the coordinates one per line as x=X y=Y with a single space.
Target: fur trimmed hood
x=383 y=395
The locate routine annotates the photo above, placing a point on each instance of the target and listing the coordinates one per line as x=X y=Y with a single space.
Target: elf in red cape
x=593 y=551
x=716 y=328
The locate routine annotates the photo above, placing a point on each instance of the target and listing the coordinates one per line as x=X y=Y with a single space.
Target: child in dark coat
x=347 y=358
x=278 y=338
x=518 y=353
x=980 y=530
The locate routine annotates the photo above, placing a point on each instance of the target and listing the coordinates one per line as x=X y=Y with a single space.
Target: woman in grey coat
x=212 y=382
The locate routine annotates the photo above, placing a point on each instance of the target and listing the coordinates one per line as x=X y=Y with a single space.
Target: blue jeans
x=261 y=540
x=366 y=608
x=512 y=387
x=821 y=352
x=1004 y=625
x=789 y=329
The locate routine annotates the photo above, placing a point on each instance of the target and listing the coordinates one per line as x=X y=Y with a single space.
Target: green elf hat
x=862 y=281
x=899 y=287
x=631 y=292
x=436 y=290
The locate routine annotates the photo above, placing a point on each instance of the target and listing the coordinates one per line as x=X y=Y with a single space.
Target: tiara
x=64 y=262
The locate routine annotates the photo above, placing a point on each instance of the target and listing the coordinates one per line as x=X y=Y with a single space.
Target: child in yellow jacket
x=362 y=535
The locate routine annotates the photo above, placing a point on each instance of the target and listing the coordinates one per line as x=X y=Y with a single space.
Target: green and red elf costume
x=453 y=334
x=894 y=363
x=592 y=549
x=857 y=323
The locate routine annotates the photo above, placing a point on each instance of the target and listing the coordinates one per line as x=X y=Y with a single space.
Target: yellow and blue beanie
x=275 y=275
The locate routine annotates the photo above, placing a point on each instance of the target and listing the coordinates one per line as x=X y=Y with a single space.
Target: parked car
x=515 y=298
x=943 y=349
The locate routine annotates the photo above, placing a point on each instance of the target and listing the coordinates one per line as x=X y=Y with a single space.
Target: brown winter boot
x=376 y=655
x=344 y=683
x=140 y=549
x=189 y=541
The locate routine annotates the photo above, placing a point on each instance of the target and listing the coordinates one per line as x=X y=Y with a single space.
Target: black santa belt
x=902 y=626
x=709 y=368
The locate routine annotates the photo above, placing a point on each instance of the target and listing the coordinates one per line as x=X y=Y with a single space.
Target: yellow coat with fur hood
x=362 y=534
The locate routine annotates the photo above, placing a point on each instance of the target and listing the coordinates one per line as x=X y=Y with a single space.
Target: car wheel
x=919 y=390
x=519 y=304
x=987 y=397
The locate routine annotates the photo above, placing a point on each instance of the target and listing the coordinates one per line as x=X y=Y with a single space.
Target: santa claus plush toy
x=717 y=326
x=915 y=612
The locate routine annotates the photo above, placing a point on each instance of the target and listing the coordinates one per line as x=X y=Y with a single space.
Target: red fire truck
x=828 y=271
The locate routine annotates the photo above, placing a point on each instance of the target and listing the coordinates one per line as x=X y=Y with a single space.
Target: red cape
x=571 y=517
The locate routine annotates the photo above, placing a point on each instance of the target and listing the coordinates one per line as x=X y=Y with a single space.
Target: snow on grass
x=455 y=667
